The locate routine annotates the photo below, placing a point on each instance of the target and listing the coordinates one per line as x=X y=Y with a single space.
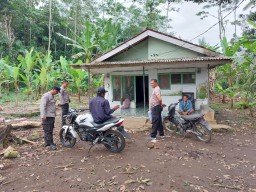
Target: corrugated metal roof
x=152 y=61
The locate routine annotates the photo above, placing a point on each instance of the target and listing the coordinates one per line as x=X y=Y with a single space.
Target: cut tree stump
x=5 y=131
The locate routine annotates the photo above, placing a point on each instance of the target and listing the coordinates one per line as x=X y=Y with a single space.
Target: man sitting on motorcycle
x=100 y=108
x=185 y=107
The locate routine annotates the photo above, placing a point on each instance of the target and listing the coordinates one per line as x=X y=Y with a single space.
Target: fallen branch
x=228 y=187
x=8 y=182
x=200 y=185
x=63 y=167
x=129 y=173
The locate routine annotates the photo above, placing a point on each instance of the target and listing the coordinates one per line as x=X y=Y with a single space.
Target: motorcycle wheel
x=170 y=127
x=203 y=133
x=116 y=141
x=69 y=141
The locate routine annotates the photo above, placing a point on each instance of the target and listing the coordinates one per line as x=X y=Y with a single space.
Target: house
x=178 y=65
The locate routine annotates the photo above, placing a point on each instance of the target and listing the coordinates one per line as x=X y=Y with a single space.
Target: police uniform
x=48 y=111
x=64 y=102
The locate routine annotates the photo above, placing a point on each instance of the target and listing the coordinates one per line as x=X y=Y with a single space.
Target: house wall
x=153 y=48
x=138 y=52
x=168 y=98
x=158 y=49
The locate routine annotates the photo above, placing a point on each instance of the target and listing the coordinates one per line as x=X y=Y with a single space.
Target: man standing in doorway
x=156 y=107
x=48 y=113
x=64 y=100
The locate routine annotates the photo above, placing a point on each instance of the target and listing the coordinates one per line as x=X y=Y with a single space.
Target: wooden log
x=26 y=124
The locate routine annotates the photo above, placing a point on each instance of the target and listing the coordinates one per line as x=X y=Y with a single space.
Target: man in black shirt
x=100 y=108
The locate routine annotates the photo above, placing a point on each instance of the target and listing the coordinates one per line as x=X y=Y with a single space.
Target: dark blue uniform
x=100 y=109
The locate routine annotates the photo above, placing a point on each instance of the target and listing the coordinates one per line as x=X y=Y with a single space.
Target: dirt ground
x=175 y=163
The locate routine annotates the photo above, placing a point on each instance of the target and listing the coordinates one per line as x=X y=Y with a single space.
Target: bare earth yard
x=228 y=163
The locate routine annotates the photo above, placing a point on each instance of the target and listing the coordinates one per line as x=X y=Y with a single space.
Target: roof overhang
x=198 y=62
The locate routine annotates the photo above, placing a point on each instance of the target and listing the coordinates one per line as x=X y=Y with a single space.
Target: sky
x=187 y=25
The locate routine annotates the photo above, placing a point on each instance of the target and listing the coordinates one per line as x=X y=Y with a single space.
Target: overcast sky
x=187 y=25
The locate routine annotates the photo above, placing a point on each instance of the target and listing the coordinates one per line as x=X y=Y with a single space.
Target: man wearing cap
x=48 y=113
x=64 y=100
x=100 y=108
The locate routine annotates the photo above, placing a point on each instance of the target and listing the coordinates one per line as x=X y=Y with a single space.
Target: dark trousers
x=64 y=109
x=157 y=124
x=48 y=126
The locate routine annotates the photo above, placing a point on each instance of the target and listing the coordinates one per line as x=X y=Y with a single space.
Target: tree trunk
x=50 y=23
x=16 y=94
x=78 y=94
x=231 y=85
x=8 y=32
x=7 y=88
x=251 y=111
x=223 y=98
x=0 y=90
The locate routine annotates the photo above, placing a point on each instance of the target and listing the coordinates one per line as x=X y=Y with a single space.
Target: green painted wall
x=138 y=52
x=153 y=48
x=158 y=49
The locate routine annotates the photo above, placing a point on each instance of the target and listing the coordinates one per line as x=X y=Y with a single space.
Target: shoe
x=153 y=140
x=150 y=138
x=46 y=144
x=53 y=147
x=162 y=137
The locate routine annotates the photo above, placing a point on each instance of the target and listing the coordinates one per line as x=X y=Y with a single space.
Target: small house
x=178 y=65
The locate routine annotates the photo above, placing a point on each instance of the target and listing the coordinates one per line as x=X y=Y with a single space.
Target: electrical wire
x=204 y=31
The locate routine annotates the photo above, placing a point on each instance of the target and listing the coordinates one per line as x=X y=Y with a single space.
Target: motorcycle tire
x=69 y=141
x=204 y=134
x=115 y=137
x=170 y=127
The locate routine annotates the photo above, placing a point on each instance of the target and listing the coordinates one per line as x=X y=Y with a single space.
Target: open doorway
x=139 y=91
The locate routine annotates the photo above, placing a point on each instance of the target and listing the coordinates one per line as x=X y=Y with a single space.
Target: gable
x=149 y=43
x=152 y=48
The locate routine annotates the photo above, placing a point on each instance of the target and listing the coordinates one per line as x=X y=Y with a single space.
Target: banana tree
x=3 y=75
x=46 y=64
x=15 y=74
x=28 y=63
x=228 y=70
x=86 y=43
x=78 y=75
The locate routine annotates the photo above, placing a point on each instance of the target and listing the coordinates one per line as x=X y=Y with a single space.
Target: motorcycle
x=110 y=133
x=183 y=124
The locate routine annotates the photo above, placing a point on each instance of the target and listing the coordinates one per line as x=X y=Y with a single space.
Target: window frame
x=158 y=77
x=193 y=73
x=181 y=78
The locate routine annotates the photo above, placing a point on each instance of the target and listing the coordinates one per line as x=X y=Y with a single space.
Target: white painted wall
x=201 y=77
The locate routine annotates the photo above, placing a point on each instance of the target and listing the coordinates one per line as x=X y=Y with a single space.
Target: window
x=164 y=81
x=123 y=87
x=188 y=78
x=176 y=78
x=116 y=88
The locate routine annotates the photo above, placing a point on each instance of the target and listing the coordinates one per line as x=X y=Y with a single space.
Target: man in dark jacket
x=100 y=108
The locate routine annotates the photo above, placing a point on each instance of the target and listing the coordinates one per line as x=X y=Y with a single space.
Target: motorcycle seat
x=192 y=117
x=112 y=120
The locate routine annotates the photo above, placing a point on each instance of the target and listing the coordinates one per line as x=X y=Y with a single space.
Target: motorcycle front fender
x=123 y=132
x=206 y=124
x=71 y=130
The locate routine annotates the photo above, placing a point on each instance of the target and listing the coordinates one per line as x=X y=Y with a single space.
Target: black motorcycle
x=183 y=124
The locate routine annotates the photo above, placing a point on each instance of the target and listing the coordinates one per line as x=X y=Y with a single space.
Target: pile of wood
x=7 y=136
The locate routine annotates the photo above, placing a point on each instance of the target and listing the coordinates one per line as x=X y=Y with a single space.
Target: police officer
x=64 y=100
x=48 y=113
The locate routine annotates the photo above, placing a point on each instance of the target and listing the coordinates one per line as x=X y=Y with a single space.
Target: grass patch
x=11 y=97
